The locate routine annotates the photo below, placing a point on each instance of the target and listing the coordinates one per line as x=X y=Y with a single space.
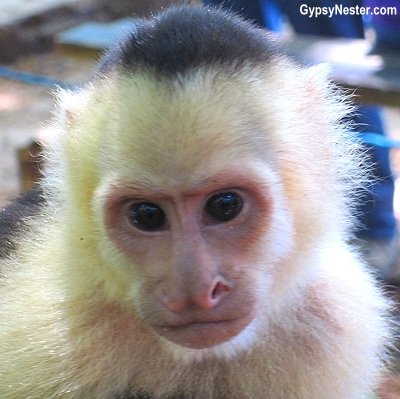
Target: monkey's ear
x=317 y=77
x=70 y=117
x=320 y=71
x=337 y=102
x=69 y=106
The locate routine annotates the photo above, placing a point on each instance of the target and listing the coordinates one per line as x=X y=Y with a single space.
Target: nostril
x=219 y=290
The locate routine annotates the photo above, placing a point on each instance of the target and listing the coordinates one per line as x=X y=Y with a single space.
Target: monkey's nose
x=196 y=296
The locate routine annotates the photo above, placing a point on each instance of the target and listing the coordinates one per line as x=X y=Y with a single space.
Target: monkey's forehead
x=186 y=38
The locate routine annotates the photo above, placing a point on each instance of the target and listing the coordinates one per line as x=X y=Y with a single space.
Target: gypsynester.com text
x=339 y=9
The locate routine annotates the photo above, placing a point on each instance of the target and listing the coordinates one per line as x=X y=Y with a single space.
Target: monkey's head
x=196 y=170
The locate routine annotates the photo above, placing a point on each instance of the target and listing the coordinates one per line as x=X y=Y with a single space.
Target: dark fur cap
x=186 y=38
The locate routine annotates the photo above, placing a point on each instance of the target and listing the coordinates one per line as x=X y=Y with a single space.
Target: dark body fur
x=14 y=216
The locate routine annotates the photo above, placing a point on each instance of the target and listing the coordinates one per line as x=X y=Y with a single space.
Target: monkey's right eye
x=147 y=216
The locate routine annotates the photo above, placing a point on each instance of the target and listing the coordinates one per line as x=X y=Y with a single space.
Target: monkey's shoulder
x=13 y=218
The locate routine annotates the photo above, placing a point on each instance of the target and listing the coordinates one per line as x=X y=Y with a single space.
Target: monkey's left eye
x=224 y=207
x=147 y=216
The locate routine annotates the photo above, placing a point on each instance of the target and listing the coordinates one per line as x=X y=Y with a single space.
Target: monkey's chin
x=202 y=335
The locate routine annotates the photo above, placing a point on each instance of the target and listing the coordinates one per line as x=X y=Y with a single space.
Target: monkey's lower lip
x=197 y=324
x=205 y=334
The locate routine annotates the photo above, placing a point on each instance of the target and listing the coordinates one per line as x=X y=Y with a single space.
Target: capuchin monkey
x=189 y=238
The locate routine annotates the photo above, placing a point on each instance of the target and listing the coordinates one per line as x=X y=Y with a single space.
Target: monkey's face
x=197 y=251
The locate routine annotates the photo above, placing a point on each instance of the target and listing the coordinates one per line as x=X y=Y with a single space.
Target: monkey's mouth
x=205 y=334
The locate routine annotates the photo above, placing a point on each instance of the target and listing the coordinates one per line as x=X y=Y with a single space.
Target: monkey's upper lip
x=178 y=326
